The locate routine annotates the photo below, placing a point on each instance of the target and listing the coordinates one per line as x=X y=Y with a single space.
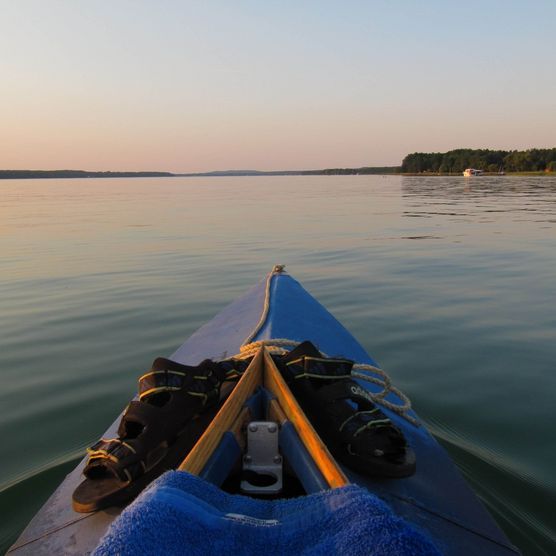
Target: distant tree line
x=353 y=171
x=531 y=160
x=34 y=174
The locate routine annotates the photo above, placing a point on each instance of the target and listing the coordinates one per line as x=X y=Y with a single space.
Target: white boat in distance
x=468 y=172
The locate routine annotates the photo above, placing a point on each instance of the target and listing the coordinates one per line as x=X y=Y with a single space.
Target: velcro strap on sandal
x=320 y=368
x=166 y=375
x=111 y=448
x=233 y=367
x=117 y=456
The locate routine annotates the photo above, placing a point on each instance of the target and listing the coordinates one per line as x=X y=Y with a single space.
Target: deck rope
x=278 y=346
x=276 y=269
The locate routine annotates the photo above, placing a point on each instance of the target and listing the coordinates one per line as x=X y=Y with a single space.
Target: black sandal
x=176 y=403
x=355 y=430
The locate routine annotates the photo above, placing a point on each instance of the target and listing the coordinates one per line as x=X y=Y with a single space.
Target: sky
x=216 y=85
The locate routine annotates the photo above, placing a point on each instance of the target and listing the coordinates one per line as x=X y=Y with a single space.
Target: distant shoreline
x=367 y=170
x=531 y=162
x=72 y=174
x=30 y=175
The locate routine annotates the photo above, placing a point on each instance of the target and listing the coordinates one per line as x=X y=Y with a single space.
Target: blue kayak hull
x=436 y=498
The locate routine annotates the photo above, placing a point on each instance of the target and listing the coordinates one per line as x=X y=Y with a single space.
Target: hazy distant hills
x=239 y=173
x=328 y=171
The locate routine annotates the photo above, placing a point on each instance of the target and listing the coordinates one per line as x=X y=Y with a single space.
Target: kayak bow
x=435 y=498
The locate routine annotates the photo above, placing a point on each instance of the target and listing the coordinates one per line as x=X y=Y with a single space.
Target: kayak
x=278 y=311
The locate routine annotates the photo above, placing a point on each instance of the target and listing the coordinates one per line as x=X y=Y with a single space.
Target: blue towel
x=182 y=514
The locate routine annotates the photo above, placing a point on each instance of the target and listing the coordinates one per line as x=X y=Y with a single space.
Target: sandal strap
x=344 y=413
x=351 y=418
x=377 y=439
x=112 y=448
x=310 y=367
x=116 y=455
x=202 y=381
x=143 y=413
x=364 y=428
x=303 y=349
x=233 y=368
x=195 y=388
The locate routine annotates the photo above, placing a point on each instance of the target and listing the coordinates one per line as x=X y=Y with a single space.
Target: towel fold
x=182 y=514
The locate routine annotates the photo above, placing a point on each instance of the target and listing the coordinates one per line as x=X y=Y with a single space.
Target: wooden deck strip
x=327 y=465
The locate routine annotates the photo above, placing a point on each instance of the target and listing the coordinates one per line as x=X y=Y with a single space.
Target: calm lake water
x=449 y=283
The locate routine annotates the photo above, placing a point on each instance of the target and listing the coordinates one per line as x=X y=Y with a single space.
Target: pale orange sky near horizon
x=183 y=87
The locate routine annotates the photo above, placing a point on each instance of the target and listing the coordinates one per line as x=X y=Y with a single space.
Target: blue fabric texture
x=182 y=514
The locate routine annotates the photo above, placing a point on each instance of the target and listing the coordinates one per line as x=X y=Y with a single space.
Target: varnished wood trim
x=327 y=465
x=238 y=426
x=275 y=413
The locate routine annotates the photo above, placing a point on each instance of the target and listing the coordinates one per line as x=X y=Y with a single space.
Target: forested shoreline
x=454 y=162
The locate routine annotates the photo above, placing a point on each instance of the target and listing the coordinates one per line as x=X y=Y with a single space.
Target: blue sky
x=192 y=86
